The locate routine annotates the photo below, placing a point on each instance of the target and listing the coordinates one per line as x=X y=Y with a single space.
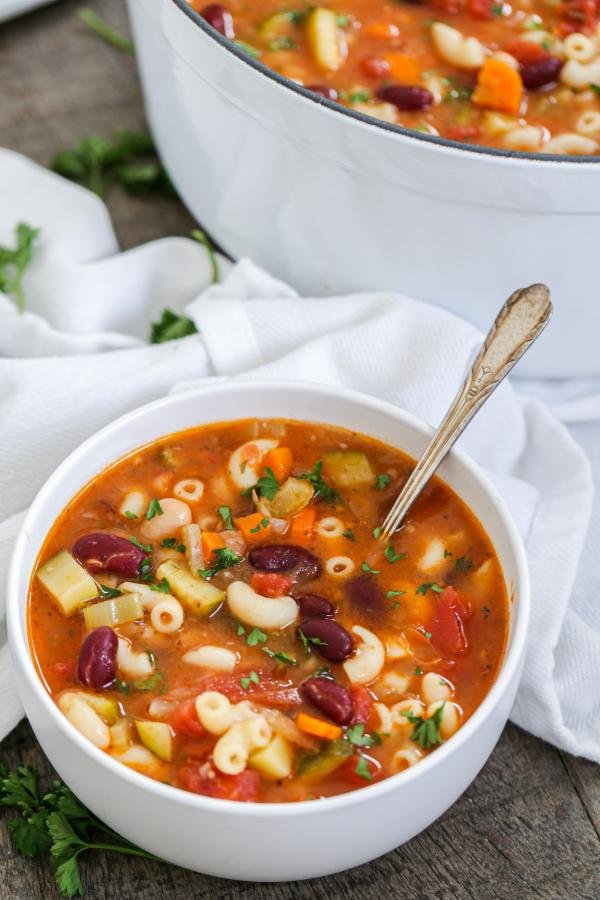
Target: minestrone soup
x=521 y=75
x=217 y=611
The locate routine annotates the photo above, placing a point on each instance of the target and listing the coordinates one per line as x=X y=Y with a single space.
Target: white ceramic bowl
x=332 y=201
x=264 y=842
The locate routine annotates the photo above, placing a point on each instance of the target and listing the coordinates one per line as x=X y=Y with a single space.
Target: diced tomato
x=525 y=51
x=271 y=584
x=267 y=692
x=462 y=132
x=578 y=15
x=362 y=705
x=481 y=9
x=353 y=762
x=204 y=778
x=184 y=720
x=375 y=66
x=447 y=626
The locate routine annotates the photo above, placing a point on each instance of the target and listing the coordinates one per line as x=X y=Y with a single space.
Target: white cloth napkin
x=78 y=358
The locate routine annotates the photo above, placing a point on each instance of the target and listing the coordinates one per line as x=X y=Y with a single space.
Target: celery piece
x=67 y=581
x=116 y=611
x=198 y=596
x=291 y=498
x=348 y=468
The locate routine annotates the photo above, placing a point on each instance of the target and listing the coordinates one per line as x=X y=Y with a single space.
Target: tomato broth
x=217 y=611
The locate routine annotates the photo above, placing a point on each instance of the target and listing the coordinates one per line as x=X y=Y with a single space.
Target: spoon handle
x=522 y=318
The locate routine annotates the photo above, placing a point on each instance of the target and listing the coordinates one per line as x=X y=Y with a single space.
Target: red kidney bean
x=330 y=698
x=406 y=97
x=323 y=91
x=97 y=667
x=220 y=18
x=314 y=605
x=296 y=561
x=331 y=641
x=364 y=593
x=104 y=552
x=541 y=71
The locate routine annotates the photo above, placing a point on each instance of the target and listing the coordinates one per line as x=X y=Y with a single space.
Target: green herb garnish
x=266 y=486
x=225 y=513
x=252 y=678
x=248 y=48
x=106 y=592
x=171 y=327
x=362 y=769
x=429 y=586
x=256 y=637
x=14 y=261
x=264 y=523
x=323 y=491
x=206 y=242
x=155 y=682
x=391 y=555
x=360 y=96
x=368 y=570
x=130 y=515
x=173 y=544
x=463 y=564
x=307 y=641
x=146 y=547
x=280 y=656
x=163 y=586
x=349 y=535
x=356 y=735
x=155 y=509
x=391 y=594
x=426 y=732
x=377 y=532
x=224 y=559
x=382 y=481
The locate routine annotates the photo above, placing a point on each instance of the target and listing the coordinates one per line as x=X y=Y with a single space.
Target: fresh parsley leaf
x=496 y=9
x=224 y=559
x=463 y=564
x=256 y=637
x=130 y=515
x=368 y=570
x=94 y=161
x=342 y=20
x=391 y=594
x=356 y=735
x=307 y=641
x=143 y=179
x=362 y=769
x=349 y=535
x=418 y=670
x=323 y=672
x=146 y=547
x=163 y=586
x=360 y=96
x=595 y=88
x=391 y=555
x=240 y=630
x=106 y=592
x=426 y=732
x=323 y=491
x=280 y=656
x=264 y=523
x=173 y=544
x=155 y=509
x=427 y=635
x=171 y=327
x=266 y=486
x=377 y=532
x=382 y=481
x=206 y=242
x=14 y=261
x=429 y=586
x=225 y=513
x=152 y=683
x=104 y=31
x=252 y=678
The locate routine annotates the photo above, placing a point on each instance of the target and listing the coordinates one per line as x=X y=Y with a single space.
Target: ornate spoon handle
x=520 y=321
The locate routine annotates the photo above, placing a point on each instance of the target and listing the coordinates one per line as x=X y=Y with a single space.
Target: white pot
x=333 y=202
x=253 y=841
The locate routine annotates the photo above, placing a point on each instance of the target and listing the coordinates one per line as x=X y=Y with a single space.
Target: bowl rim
x=444 y=144
x=23 y=661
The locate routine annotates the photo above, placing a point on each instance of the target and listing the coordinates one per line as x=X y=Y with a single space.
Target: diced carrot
x=403 y=68
x=499 y=86
x=385 y=31
x=280 y=461
x=254 y=527
x=303 y=525
x=317 y=727
x=211 y=541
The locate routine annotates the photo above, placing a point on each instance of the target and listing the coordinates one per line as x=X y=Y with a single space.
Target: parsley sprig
x=15 y=260
x=224 y=559
x=171 y=327
x=58 y=826
x=426 y=732
x=323 y=491
x=266 y=486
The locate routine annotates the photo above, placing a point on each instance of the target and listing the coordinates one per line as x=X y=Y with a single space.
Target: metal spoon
x=520 y=321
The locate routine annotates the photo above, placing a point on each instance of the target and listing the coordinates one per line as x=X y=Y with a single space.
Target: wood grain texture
x=529 y=825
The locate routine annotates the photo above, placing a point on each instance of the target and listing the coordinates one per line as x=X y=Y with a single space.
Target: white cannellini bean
x=450 y=717
x=434 y=687
x=368 y=660
x=571 y=144
x=330 y=527
x=267 y=613
x=384 y=718
x=85 y=719
x=134 y=665
x=212 y=657
x=404 y=759
x=339 y=566
x=190 y=490
x=175 y=514
x=240 y=471
x=135 y=503
x=456 y=49
x=167 y=616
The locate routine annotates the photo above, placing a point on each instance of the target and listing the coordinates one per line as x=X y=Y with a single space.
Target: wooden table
x=529 y=826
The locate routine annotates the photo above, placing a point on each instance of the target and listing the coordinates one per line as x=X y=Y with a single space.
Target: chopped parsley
x=246 y=681
x=382 y=481
x=418 y=670
x=163 y=586
x=171 y=327
x=595 y=88
x=427 y=635
x=323 y=672
x=14 y=261
x=147 y=548
x=497 y=9
x=224 y=559
x=323 y=491
x=266 y=486
x=225 y=513
x=391 y=594
x=356 y=735
x=368 y=570
x=349 y=535
x=429 y=586
x=377 y=532
x=173 y=544
x=264 y=523
x=155 y=509
x=342 y=20
x=426 y=732
x=307 y=641
x=463 y=564
x=130 y=515
x=391 y=555
x=362 y=769
x=360 y=97
x=106 y=592
x=155 y=682
x=256 y=637
x=280 y=656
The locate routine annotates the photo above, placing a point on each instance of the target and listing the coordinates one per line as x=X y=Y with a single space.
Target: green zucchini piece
x=157 y=737
x=116 y=611
x=199 y=597
x=317 y=765
x=348 y=468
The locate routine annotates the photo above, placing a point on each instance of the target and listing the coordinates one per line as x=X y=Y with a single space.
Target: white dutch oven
x=331 y=201
x=252 y=841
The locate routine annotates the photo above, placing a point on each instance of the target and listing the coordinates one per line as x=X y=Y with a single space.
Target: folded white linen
x=78 y=358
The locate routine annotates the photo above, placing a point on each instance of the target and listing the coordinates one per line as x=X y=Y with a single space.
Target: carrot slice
x=499 y=86
x=211 y=541
x=303 y=525
x=280 y=461
x=385 y=31
x=254 y=527
x=317 y=727
x=403 y=68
